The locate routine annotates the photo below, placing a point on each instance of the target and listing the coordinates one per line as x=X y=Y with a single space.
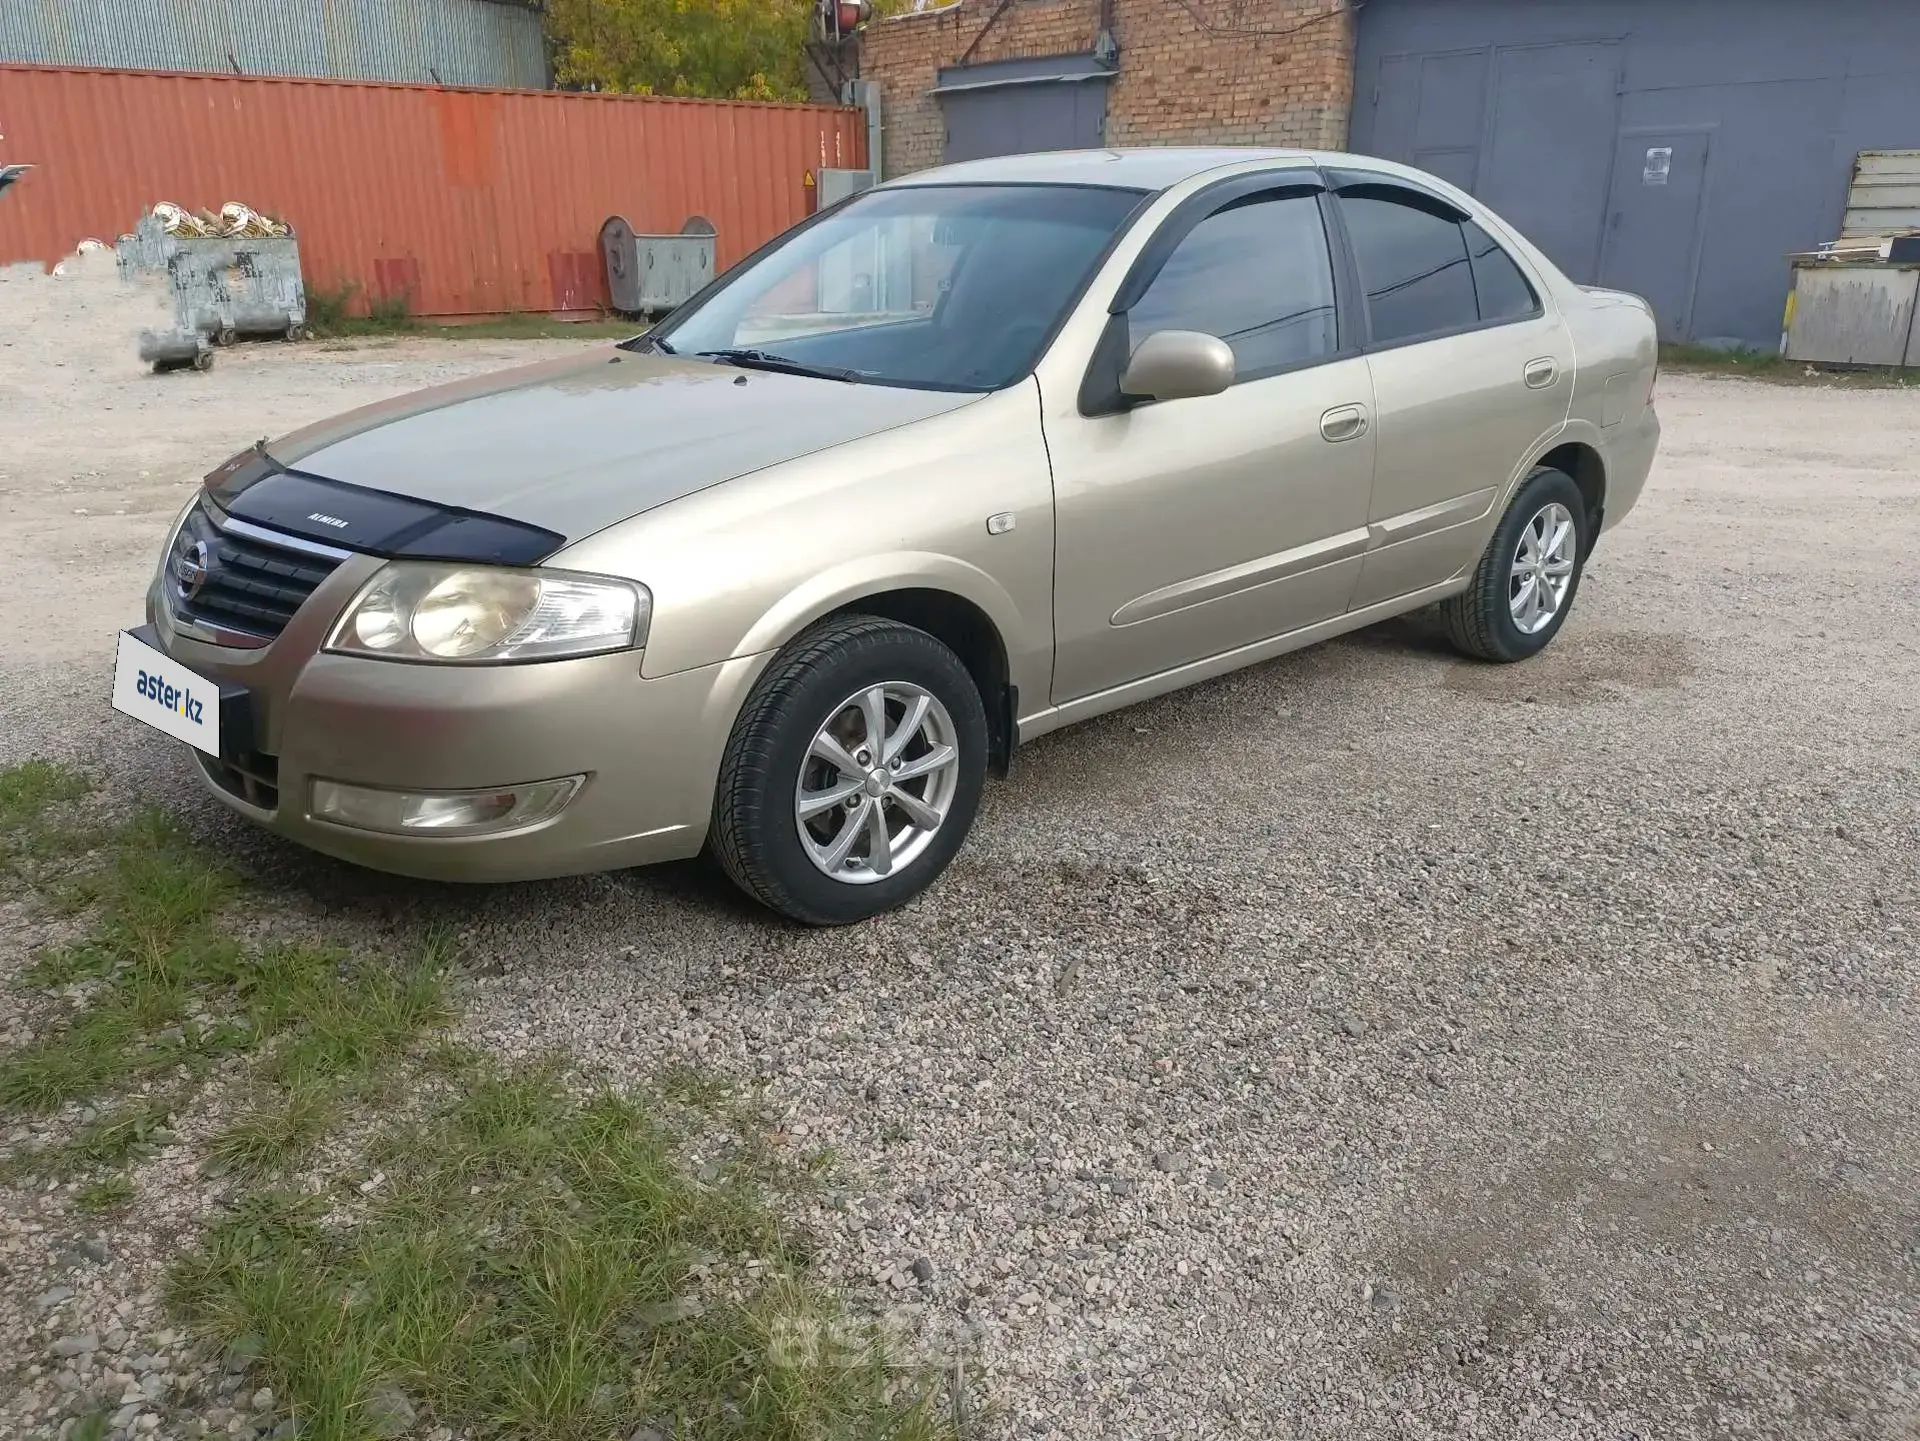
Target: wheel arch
x=957 y=604
x=969 y=632
x=1588 y=468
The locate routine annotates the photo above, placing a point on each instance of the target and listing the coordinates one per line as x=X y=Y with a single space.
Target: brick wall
x=1258 y=72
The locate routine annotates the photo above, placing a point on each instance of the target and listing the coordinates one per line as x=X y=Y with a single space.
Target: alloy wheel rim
x=1542 y=568
x=878 y=782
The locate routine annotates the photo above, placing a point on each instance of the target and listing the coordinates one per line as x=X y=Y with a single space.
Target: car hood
x=578 y=444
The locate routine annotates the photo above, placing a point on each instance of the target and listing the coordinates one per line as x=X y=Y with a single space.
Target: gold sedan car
x=971 y=456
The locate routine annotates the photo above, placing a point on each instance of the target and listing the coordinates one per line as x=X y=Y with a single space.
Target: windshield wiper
x=761 y=360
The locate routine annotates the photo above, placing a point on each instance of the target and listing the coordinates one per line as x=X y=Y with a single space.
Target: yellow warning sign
x=807 y=180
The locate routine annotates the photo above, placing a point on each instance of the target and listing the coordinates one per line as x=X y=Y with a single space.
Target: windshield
x=952 y=287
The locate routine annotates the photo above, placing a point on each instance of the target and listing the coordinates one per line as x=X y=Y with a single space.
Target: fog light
x=443 y=813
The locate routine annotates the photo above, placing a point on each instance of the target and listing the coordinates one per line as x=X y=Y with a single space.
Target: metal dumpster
x=224 y=286
x=648 y=274
x=1844 y=313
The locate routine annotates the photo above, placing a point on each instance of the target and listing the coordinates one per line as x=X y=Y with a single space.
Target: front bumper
x=649 y=748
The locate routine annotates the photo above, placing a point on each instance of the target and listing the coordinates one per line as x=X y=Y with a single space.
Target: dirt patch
x=1582 y=668
x=1753 y=1226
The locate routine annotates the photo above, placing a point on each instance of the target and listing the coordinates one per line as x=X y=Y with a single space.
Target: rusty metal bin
x=648 y=274
x=224 y=287
x=1865 y=314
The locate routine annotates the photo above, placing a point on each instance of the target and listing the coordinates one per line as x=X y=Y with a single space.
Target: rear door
x=1471 y=372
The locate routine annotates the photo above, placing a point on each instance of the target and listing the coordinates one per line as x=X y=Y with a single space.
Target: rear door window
x=1414 y=267
x=1503 y=290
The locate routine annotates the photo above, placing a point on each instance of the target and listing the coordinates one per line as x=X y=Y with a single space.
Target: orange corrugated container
x=469 y=202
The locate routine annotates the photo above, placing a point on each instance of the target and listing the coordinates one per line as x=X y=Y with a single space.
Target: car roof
x=1151 y=167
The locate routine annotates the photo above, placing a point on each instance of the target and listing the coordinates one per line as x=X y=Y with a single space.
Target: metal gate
x=1012 y=107
x=1683 y=152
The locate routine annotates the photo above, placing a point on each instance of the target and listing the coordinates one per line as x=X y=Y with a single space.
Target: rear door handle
x=1541 y=373
x=1344 y=422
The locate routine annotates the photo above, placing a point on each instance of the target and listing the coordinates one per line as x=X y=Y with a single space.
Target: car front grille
x=251 y=776
x=241 y=581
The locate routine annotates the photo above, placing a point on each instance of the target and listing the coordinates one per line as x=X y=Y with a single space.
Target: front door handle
x=1344 y=422
x=1541 y=373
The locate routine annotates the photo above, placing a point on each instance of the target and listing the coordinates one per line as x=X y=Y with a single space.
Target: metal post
x=866 y=95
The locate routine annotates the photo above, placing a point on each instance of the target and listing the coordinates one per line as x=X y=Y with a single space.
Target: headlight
x=173 y=531
x=423 y=611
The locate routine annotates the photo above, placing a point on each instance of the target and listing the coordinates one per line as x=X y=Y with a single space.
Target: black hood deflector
x=255 y=487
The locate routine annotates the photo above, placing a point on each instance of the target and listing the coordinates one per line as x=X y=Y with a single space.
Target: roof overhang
x=1033 y=70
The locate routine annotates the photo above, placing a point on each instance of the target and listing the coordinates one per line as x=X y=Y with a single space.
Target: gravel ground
x=1369 y=1044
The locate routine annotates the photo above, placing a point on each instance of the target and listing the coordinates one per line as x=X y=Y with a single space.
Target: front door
x=1653 y=222
x=1189 y=528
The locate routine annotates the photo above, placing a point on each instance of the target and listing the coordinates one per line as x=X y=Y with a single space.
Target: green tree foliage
x=725 y=49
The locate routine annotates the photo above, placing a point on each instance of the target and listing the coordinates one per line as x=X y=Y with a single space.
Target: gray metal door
x=1653 y=222
x=1428 y=112
x=1549 y=146
x=1539 y=155
x=1011 y=107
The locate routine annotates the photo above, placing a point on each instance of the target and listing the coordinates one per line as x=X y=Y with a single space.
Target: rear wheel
x=853 y=774
x=1528 y=577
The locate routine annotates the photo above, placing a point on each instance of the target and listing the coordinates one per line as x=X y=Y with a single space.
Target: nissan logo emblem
x=192 y=564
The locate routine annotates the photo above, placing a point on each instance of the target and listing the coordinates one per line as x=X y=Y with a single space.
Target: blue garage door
x=1678 y=151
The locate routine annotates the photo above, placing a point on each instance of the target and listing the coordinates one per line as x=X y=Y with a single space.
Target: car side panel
x=1191 y=527
x=1618 y=345
x=1457 y=424
x=742 y=568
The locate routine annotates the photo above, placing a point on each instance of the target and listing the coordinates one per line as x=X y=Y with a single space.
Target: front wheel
x=853 y=774
x=1527 y=578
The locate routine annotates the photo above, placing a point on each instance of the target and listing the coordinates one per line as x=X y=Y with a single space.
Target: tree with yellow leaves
x=726 y=49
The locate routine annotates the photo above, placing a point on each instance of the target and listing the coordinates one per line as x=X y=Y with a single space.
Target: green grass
x=29 y=794
x=514 y=1251
x=274 y=1133
x=535 y=327
x=109 y=1193
x=336 y=314
x=169 y=987
x=116 y=1138
x=1769 y=365
x=536 y=1261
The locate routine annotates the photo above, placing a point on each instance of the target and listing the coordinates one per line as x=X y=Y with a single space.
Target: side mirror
x=1178 y=365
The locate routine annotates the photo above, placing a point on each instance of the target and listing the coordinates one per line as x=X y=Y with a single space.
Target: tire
x=818 y=684
x=1481 y=620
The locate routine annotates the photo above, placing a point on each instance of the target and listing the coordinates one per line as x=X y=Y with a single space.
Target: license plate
x=166 y=695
